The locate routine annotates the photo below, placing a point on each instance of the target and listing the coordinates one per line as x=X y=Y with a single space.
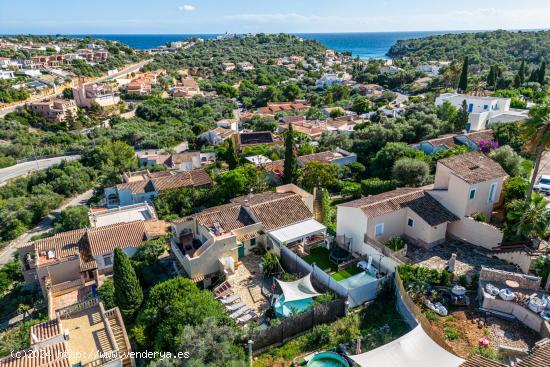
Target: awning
x=298 y=289
x=297 y=231
x=414 y=349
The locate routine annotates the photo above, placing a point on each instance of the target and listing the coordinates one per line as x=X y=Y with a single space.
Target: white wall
x=352 y=223
x=477 y=233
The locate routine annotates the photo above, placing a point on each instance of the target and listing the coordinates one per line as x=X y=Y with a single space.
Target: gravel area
x=510 y=334
x=468 y=262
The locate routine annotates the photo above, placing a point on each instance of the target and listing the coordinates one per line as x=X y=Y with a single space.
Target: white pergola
x=297 y=231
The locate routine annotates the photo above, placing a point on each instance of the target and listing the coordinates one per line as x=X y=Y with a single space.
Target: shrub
x=450 y=332
x=515 y=188
x=270 y=264
x=431 y=316
x=395 y=243
x=107 y=293
x=510 y=161
x=319 y=336
x=410 y=171
x=488 y=353
x=480 y=217
x=374 y=186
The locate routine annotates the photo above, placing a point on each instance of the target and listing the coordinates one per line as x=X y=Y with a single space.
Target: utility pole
x=250 y=342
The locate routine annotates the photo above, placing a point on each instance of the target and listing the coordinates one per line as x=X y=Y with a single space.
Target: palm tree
x=536 y=130
x=531 y=218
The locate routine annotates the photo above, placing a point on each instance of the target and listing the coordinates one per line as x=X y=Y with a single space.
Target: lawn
x=346 y=273
x=320 y=256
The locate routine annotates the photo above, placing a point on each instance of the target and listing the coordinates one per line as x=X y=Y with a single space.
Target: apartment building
x=87 y=94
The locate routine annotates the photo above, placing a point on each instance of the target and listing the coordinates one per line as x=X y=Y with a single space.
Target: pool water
x=357 y=280
x=327 y=359
x=285 y=309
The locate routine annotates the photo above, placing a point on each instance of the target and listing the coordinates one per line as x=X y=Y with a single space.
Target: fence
x=413 y=314
x=292 y=326
x=322 y=281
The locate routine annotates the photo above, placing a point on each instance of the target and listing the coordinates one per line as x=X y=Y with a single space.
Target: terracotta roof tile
x=540 y=355
x=478 y=361
x=473 y=167
x=54 y=355
x=64 y=245
x=279 y=210
x=417 y=199
x=324 y=157
x=477 y=136
x=45 y=330
x=104 y=240
x=228 y=217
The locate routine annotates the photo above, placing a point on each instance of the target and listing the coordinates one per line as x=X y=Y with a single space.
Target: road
x=128 y=70
x=43 y=226
x=21 y=169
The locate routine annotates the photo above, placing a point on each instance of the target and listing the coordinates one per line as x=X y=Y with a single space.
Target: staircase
x=317 y=204
x=118 y=332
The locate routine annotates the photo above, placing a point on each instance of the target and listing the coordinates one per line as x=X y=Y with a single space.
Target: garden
x=320 y=256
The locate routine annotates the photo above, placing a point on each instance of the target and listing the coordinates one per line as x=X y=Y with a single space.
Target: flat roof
x=122 y=215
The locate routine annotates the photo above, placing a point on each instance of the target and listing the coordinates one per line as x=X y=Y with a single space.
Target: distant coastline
x=364 y=45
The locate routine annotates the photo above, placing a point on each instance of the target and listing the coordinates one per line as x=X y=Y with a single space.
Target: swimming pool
x=283 y=308
x=327 y=359
x=357 y=280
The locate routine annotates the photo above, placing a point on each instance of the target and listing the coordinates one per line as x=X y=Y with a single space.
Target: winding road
x=22 y=169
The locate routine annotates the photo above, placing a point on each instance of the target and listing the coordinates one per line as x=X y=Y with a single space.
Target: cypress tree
x=231 y=156
x=519 y=80
x=542 y=72
x=290 y=165
x=463 y=82
x=128 y=293
x=461 y=120
x=534 y=77
x=491 y=78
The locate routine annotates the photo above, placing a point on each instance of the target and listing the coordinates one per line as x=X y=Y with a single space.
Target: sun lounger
x=249 y=316
x=234 y=307
x=230 y=299
x=239 y=312
x=223 y=290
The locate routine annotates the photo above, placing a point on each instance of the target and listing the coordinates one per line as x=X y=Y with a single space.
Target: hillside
x=504 y=47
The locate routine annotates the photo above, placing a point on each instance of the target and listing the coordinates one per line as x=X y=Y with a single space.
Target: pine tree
x=128 y=292
x=290 y=165
x=463 y=82
x=231 y=156
x=461 y=120
x=542 y=72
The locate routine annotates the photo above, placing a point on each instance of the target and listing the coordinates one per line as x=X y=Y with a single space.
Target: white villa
x=483 y=111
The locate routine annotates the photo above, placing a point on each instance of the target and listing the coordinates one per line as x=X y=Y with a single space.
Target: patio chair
x=230 y=299
x=239 y=312
x=234 y=307
x=247 y=317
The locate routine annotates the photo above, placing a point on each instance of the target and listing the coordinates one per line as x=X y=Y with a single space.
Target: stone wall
x=500 y=277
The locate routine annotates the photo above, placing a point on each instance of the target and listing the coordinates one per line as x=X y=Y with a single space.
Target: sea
x=372 y=45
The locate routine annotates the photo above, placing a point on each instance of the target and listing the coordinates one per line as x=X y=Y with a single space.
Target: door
x=240 y=251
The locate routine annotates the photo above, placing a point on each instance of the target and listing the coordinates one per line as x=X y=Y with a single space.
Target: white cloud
x=187 y=8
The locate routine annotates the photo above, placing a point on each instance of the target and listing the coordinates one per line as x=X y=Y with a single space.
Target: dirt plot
x=469 y=326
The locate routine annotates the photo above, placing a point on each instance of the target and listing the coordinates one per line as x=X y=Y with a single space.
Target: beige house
x=56 y=109
x=464 y=186
x=87 y=94
x=69 y=261
x=84 y=334
x=409 y=212
x=212 y=242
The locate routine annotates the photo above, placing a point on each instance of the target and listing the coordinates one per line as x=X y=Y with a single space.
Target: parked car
x=543 y=184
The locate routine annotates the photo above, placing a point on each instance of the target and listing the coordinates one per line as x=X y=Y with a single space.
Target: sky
x=270 y=16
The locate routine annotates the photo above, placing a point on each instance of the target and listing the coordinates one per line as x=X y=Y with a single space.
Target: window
x=492 y=193
x=379 y=229
x=107 y=260
x=472 y=194
x=486 y=107
x=252 y=242
x=410 y=222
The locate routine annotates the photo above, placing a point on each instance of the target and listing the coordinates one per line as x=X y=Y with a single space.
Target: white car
x=543 y=184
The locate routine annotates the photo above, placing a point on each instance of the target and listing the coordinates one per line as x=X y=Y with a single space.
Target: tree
x=290 y=164
x=461 y=121
x=360 y=105
x=107 y=293
x=208 y=344
x=336 y=112
x=510 y=161
x=318 y=174
x=73 y=217
x=515 y=188
x=509 y=134
x=530 y=219
x=447 y=112
x=149 y=251
x=331 y=140
x=314 y=113
x=519 y=79
x=463 y=82
x=410 y=171
x=375 y=186
x=291 y=92
x=115 y=156
x=536 y=131
x=383 y=161
x=542 y=72
x=226 y=90
x=128 y=293
x=231 y=155
x=68 y=93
